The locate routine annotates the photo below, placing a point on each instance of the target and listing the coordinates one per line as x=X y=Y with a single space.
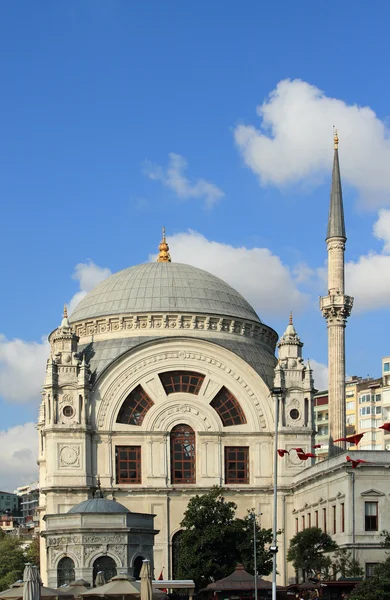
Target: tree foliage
x=376 y=587
x=214 y=541
x=385 y=535
x=307 y=551
x=345 y=565
x=33 y=552
x=12 y=560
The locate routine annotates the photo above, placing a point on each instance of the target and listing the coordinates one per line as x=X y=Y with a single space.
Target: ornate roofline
x=132 y=325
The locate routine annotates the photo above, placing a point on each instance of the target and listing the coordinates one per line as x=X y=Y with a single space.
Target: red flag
x=316 y=446
x=299 y=450
x=356 y=462
x=305 y=456
x=385 y=426
x=351 y=439
x=161 y=578
x=282 y=452
x=302 y=456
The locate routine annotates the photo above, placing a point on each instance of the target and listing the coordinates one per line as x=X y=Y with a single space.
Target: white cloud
x=256 y=273
x=368 y=278
x=294 y=144
x=22 y=363
x=88 y=275
x=19 y=448
x=22 y=369
x=320 y=375
x=174 y=178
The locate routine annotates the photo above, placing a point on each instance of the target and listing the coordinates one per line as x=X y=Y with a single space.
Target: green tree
x=245 y=546
x=214 y=541
x=376 y=587
x=12 y=560
x=307 y=551
x=32 y=552
x=345 y=565
x=385 y=535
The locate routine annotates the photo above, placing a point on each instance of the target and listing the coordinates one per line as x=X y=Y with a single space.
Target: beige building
x=162 y=384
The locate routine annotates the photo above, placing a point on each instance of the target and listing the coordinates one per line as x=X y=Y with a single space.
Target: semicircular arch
x=222 y=367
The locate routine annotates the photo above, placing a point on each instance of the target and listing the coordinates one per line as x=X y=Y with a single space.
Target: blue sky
x=119 y=117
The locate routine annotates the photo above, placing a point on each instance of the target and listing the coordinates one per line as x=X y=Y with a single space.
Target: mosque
x=163 y=383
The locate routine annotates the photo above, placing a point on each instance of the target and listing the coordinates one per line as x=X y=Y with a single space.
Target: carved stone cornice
x=336 y=308
x=133 y=325
x=335 y=244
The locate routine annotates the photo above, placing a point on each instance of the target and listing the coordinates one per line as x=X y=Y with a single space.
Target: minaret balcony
x=336 y=305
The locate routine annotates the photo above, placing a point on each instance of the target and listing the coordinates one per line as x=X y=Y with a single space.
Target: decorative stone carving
x=89 y=550
x=131 y=370
x=189 y=321
x=69 y=455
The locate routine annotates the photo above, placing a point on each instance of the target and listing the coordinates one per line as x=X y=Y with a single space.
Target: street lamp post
x=255 y=553
x=277 y=392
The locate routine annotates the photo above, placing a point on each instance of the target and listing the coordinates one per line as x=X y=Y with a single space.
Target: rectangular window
x=303 y=522
x=324 y=520
x=371 y=516
x=309 y=519
x=316 y=518
x=128 y=464
x=386 y=367
x=378 y=410
x=342 y=518
x=236 y=464
x=350 y=406
x=370 y=569
x=334 y=528
x=350 y=420
x=378 y=397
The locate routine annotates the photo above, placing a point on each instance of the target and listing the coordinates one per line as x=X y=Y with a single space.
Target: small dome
x=163 y=287
x=99 y=505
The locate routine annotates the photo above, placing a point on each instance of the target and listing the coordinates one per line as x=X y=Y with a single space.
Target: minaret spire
x=163 y=255
x=336 y=224
x=336 y=307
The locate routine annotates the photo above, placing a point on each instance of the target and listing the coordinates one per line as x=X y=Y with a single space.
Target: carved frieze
x=69 y=456
x=188 y=321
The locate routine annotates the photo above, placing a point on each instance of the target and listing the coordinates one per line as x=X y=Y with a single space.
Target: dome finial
x=335 y=138
x=65 y=320
x=290 y=322
x=163 y=255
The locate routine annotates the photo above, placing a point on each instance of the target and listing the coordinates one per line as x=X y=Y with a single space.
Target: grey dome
x=163 y=287
x=99 y=505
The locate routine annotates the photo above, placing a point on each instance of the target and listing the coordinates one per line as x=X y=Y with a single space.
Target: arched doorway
x=65 y=571
x=137 y=566
x=175 y=553
x=107 y=565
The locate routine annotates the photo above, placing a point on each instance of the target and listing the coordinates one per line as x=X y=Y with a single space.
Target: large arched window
x=135 y=407
x=106 y=565
x=182 y=454
x=181 y=381
x=228 y=408
x=65 y=571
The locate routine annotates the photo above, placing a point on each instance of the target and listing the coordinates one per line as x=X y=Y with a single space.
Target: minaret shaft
x=336 y=308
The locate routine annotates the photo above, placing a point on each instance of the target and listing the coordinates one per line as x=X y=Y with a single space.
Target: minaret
x=336 y=308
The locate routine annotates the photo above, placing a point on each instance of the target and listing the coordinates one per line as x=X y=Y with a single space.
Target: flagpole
x=277 y=393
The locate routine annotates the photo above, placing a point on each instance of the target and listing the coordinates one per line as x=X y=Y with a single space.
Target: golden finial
x=335 y=138
x=163 y=255
x=290 y=320
x=65 y=311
